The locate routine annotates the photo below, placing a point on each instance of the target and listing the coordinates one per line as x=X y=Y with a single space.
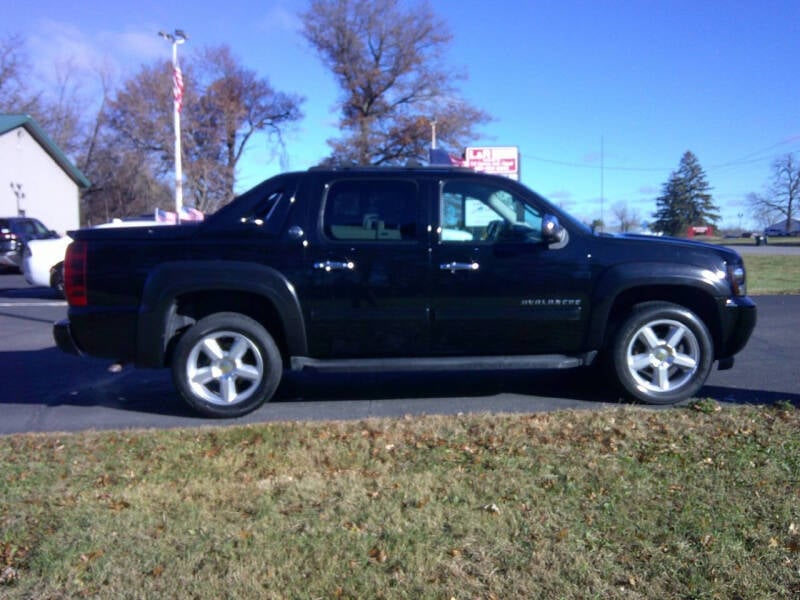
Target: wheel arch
x=177 y=294
x=623 y=288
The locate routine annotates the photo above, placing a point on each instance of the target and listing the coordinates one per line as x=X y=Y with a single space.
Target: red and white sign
x=499 y=160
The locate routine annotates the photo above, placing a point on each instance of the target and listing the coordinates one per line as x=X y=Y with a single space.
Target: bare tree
x=122 y=185
x=233 y=105
x=625 y=216
x=123 y=176
x=224 y=106
x=16 y=93
x=61 y=110
x=782 y=193
x=389 y=62
x=126 y=147
x=58 y=112
x=140 y=113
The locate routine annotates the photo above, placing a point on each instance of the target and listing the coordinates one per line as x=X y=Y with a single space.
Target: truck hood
x=658 y=246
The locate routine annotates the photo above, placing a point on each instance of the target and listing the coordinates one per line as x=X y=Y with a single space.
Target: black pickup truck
x=400 y=269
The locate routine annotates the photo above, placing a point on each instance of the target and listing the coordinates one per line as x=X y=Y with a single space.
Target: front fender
x=650 y=281
x=169 y=280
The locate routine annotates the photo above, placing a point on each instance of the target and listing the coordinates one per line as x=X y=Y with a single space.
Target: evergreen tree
x=685 y=199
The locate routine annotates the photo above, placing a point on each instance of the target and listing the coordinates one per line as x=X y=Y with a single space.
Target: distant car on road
x=15 y=233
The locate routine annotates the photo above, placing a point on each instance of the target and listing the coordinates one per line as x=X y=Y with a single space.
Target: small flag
x=438 y=156
x=165 y=216
x=188 y=213
x=177 y=87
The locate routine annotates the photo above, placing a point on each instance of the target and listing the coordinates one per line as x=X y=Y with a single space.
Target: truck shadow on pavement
x=31 y=293
x=49 y=378
x=580 y=385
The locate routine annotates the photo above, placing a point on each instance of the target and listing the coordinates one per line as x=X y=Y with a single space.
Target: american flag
x=439 y=156
x=177 y=87
x=188 y=213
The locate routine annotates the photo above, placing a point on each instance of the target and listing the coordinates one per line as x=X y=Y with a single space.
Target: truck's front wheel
x=226 y=365
x=662 y=354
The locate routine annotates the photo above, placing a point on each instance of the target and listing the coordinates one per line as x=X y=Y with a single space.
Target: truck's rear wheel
x=226 y=365
x=662 y=354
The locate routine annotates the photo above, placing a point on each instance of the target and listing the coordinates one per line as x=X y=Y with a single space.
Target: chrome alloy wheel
x=663 y=355
x=224 y=368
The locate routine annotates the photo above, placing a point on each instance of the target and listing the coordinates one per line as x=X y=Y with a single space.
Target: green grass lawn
x=628 y=503
x=625 y=503
x=772 y=274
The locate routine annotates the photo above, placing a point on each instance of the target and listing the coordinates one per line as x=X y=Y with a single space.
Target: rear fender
x=157 y=322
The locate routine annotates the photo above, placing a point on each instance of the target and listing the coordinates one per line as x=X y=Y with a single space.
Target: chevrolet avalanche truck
x=423 y=268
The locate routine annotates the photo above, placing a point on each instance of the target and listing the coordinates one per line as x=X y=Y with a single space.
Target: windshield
x=513 y=200
x=564 y=217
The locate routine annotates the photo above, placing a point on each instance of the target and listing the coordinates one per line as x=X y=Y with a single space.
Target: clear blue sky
x=650 y=79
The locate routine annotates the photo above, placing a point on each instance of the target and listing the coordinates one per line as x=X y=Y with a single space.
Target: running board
x=449 y=363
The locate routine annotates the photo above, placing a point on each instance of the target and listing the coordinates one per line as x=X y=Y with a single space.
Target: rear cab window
x=263 y=207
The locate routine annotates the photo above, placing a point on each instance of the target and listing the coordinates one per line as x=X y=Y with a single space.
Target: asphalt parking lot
x=46 y=390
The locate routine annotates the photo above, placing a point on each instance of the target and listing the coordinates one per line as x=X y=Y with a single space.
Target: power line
x=747 y=159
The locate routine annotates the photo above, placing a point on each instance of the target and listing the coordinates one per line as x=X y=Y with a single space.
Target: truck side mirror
x=552 y=231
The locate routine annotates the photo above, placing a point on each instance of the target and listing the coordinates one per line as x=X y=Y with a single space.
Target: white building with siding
x=36 y=178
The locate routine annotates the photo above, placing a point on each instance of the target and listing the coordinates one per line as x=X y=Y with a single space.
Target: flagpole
x=176 y=38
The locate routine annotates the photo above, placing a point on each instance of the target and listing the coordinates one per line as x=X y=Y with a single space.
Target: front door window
x=472 y=211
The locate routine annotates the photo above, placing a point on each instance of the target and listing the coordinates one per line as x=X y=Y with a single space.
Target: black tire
x=226 y=365
x=57 y=278
x=662 y=353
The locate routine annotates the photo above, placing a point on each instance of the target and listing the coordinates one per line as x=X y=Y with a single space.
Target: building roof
x=794 y=225
x=11 y=122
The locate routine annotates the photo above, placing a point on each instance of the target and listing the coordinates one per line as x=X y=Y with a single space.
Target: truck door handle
x=459 y=266
x=335 y=265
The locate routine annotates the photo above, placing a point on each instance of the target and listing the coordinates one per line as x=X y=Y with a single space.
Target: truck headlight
x=738 y=279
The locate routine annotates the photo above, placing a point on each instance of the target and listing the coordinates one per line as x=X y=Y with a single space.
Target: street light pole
x=16 y=188
x=176 y=38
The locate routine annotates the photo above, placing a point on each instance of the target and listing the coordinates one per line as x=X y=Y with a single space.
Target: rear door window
x=371 y=211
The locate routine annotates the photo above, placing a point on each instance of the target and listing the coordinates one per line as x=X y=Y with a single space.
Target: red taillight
x=75 y=274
